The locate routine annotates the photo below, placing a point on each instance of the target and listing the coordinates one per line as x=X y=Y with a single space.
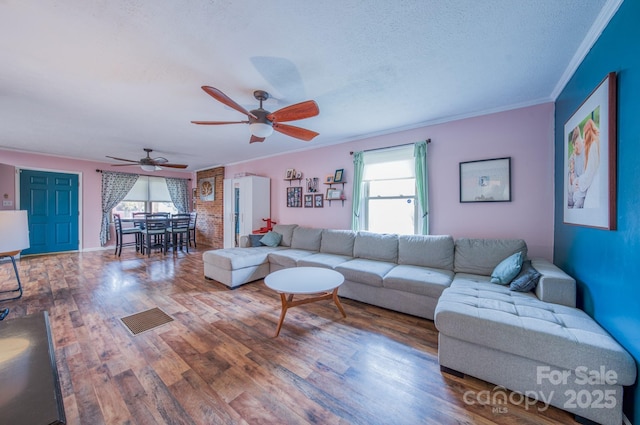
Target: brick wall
x=210 y=213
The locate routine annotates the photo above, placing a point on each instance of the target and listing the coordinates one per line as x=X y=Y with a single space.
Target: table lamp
x=14 y=237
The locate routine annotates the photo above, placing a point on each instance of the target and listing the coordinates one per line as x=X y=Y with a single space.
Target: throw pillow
x=508 y=268
x=254 y=240
x=271 y=239
x=527 y=279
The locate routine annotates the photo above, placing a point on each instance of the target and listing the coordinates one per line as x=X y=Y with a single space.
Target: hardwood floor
x=218 y=362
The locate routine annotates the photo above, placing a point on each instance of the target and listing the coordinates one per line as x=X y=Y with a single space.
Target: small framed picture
x=329 y=179
x=308 y=201
x=487 y=180
x=333 y=194
x=337 y=177
x=290 y=174
x=317 y=201
x=298 y=174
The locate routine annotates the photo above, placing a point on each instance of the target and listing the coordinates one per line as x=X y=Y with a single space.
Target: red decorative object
x=266 y=228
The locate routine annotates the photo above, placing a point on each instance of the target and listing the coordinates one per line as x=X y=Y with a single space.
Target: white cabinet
x=247 y=200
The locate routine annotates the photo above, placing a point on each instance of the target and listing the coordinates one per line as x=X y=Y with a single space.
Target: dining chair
x=178 y=231
x=122 y=231
x=192 y=228
x=154 y=233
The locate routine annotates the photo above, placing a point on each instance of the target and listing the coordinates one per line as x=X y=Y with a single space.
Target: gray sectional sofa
x=518 y=340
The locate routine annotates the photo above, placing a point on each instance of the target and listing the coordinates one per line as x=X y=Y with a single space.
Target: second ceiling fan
x=262 y=122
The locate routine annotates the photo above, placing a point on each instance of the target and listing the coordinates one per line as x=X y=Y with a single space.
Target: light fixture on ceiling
x=14 y=237
x=260 y=129
x=147 y=167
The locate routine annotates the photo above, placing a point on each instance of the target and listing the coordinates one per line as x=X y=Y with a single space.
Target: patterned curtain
x=422 y=186
x=179 y=193
x=115 y=187
x=358 y=167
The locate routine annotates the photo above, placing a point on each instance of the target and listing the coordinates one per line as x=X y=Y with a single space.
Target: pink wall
x=7 y=186
x=90 y=185
x=525 y=135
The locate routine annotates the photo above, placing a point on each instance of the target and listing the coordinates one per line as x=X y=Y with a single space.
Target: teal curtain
x=358 y=167
x=422 y=186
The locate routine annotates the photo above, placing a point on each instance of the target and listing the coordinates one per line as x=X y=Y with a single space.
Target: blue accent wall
x=606 y=264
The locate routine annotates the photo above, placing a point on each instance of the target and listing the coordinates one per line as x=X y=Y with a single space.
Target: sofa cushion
x=237 y=258
x=322 y=259
x=339 y=242
x=306 y=238
x=418 y=280
x=490 y=315
x=286 y=230
x=481 y=256
x=376 y=246
x=507 y=269
x=526 y=280
x=288 y=258
x=361 y=270
x=271 y=239
x=426 y=250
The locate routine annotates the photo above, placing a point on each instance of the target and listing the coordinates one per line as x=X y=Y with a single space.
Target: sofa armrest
x=555 y=286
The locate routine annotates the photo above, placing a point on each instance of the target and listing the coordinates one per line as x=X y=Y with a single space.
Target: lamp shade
x=14 y=231
x=147 y=167
x=259 y=129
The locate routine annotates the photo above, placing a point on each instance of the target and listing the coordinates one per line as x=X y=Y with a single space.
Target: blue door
x=51 y=201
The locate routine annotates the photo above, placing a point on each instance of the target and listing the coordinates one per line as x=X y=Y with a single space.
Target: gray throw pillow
x=254 y=240
x=526 y=280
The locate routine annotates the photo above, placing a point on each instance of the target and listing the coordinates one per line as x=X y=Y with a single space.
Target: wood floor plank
x=218 y=362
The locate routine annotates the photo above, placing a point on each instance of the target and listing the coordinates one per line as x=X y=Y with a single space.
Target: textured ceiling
x=86 y=79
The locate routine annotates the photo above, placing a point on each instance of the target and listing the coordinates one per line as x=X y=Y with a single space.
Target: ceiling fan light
x=259 y=129
x=148 y=167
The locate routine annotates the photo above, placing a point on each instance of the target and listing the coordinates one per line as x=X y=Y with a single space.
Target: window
x=389 y=191
x=149 y=194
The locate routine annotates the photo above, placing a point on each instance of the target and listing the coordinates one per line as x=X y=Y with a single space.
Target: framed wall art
x=337 y=177
x=207 y=189
x=290 y=174
x=487 y=180
x=308 y=201
x=590 y=139
x=294 y=196
x=318 y=201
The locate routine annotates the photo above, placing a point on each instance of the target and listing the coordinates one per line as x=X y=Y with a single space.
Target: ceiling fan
x=262 y=122
x=148 y=163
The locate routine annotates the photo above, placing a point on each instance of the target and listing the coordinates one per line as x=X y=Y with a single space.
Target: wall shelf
x=299 y=179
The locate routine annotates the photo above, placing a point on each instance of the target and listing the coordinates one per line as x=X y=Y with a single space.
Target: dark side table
x=29 y=386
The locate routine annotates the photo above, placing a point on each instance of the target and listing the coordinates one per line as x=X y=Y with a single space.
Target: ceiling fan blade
x=219 y=122
x=121 y=159
x=173 y=165
x=295 y=112
x=256 y=139
x=223 y=98
x=297 y=132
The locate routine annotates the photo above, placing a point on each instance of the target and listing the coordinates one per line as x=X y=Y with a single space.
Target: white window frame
x=149 y=198
x=367 y=198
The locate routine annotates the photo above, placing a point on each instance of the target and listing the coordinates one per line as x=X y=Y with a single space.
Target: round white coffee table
x=305 y=280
